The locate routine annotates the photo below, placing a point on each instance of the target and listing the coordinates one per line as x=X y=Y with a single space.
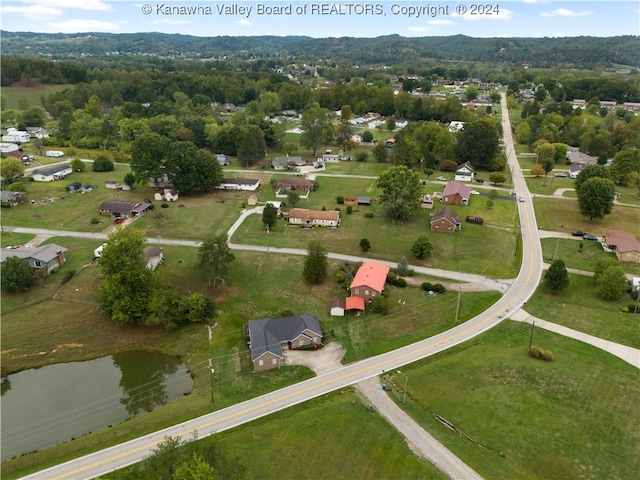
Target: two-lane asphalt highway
x=521 y=289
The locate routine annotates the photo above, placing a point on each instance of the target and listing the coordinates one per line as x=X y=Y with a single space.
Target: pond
x=45 y=406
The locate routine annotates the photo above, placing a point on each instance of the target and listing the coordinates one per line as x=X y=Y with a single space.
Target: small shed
x=337 y=307
x=252 y=200
x=74 y=187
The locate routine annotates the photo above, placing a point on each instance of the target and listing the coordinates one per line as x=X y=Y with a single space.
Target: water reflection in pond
x=42 y=407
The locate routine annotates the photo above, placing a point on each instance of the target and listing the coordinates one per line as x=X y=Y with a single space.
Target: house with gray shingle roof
x=268 y=336
x=41 y=259
x=49 y=174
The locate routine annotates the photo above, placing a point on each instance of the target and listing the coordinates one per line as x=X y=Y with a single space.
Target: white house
x=465 y=173
x=49 y=174
x=313 y=218
x=246 y=184
x=153 y=257
x=15 y=135
x=455 y=126
x=8 y=147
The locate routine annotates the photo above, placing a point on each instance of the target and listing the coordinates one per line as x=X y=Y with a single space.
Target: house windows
x=315 y=339
x=38 y=264
x=273 y=361
x=300 y=342
x=357 y=291
x=260 y=362
x=366 y=292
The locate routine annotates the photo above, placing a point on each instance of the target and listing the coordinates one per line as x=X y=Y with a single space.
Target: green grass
x=568 y=250
x=564 y=216
x=579 y=307
x=575 y=417
x=8 y=238
x=31 y=94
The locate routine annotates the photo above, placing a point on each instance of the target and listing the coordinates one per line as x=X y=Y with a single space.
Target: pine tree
x=315 y=264
x=557 y=277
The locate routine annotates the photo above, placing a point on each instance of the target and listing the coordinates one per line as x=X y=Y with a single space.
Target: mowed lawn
x=15 y=93
x=564 y=216
x=575 y=417
x=580 y=307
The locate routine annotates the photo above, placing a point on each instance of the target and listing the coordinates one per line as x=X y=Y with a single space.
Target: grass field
x=32 y=95
x=564 y=216
x=579 y=307
x=575 y=417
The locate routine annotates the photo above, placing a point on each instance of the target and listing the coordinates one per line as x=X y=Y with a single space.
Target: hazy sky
x=512 y=18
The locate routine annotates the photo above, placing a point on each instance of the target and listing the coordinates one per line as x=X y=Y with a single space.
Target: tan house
x=369 y=280
x=268 y=337
x=295 y=183
x=625 y=246
x=445 y=219
x=314 y=218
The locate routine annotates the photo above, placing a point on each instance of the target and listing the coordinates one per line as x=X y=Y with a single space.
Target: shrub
x=368 y=215
x=340 y=276
x=340 y=200
x=439 y=288
x=286 y=313
x=349 y=209
x=391 y=277
x=94 y=221
x=448 y=166
x=164 y=205
x=540 y=354
x=400 y=282
x=632 y=308
x=17 y=187
x=102 y=164
x=427 y=287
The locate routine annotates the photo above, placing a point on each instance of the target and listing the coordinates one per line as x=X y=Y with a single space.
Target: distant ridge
x=582 y=52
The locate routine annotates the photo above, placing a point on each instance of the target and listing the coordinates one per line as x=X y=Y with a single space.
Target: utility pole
x=267 y=239
x=212 y=372
x=458 y=304
x=406 y=380
x=533 y=324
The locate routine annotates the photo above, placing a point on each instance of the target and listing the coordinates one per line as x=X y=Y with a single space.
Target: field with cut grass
x=575 y=417
x=564 y=216
x=580 y=307
x=32 y=95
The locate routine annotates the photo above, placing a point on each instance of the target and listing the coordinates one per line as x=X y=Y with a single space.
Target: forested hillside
x=578 y=52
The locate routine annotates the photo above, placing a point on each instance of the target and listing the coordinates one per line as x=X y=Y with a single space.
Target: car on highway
x=521 y=199
x=474 y=192
x=442 y=179
x=587 y=236
x=561 y=175
x=578 y=233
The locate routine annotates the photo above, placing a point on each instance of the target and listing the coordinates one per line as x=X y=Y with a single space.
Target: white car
x=475 y=192
x=442 y=179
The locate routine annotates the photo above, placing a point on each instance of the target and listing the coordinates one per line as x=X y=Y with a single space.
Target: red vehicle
x=118 y=220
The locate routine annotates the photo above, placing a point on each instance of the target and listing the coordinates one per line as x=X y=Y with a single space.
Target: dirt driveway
x=320 y=361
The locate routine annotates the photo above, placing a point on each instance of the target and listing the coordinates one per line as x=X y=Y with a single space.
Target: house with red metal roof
x=369 y=280
x=456 y=193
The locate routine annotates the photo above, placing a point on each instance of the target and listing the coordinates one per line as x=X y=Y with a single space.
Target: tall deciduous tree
x=477 y=143
x=11 y=169
x=557 y=277
x=252 y=146
x=626 y=163
x=401 y=192
x=127 y=286
x=595 y=197
x=315 y=263
x=215 y=257
x=148 y=154
x=591 y=171
x=269 y=215
x=317 y=129
x=16 y=275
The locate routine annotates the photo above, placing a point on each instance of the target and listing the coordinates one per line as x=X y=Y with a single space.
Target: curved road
x=101 y=462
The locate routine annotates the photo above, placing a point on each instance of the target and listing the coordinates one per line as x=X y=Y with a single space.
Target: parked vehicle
x=578 y=233
x=54 y=153
x=442 y=179
x=521 y=199
x=561 y=175
x=593 y=238
x=474 y=192
x=480 y=180
x=118 y=220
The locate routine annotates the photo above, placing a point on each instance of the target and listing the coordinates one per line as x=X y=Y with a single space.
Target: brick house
x=456 y=193
x=445 y=219
x=369 y=280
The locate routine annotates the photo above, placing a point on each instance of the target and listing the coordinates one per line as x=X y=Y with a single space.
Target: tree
x=472 y=92
x=130 y=180
x=380 y=153
x=182 y=167
x=365 y=245
x=422 y=246
x=537 y=170
x=293 y=198
x=78 y=165
x=478 y=143
x=148 y=154
x=612 y=284
x=194 y=468
x=497 y=178
x=126 y=287
x=269 y=215
x=315 y=264
x=547 y=165
x=602 y=265
x=215 y=257
x=252 y=146
x=11 y=169
x=102 y=164
x=401 y=192
x=317 y=129
x=557 y=277
x=16 y=275
x=626 y=163
x=591 y=171
x=197 y=308
x=403 y=267
x=595 y=197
